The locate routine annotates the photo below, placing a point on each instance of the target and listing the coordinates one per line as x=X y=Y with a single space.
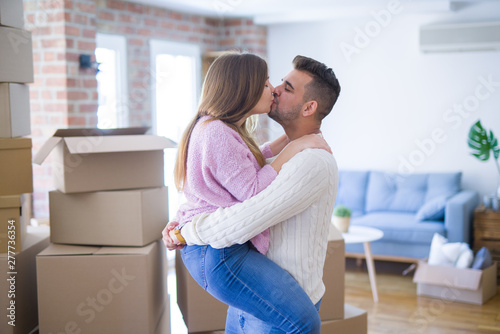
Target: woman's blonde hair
x=233 y=85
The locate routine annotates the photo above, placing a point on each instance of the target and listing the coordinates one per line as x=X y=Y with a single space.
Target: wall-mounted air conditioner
x=477 y=36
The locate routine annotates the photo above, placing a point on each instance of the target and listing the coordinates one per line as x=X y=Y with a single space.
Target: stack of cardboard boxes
x=18 y=248
x=105 y=271
x=204 y=313
x=16 y=70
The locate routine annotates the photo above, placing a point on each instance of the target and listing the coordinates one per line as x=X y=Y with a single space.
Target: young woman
x=218 y=165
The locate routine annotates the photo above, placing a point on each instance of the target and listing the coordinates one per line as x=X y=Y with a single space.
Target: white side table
x=365 y=235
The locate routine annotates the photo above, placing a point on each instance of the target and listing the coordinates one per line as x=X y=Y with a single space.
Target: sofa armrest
x=458 y=216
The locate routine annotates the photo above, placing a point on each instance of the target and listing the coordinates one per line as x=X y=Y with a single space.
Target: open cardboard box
x=14 y=110
x=15 y=166
x=97 y=159
x=25 y=307
x=113 y=218
x=112 y=290
x=450 y=283
x=16 y=54
x=332 y=304
x=11 y=13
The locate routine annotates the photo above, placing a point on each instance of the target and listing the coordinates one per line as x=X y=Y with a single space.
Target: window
x=175 y=90
x=112 y=81
x=175 y=69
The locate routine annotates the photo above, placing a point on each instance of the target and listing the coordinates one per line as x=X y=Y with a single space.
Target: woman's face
x=266 y=100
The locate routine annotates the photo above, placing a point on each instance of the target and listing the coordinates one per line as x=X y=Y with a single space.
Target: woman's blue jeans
x=242 y=277
x=239 y=322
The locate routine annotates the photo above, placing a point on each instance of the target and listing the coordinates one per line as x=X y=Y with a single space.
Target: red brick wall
x=139 y=24
x=64 y=96
x=244 y=33
x=81 y=85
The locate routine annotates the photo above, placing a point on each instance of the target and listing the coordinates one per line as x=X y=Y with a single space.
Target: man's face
x=289 y=97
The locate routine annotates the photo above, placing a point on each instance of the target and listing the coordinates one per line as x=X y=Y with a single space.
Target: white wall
x=394 y=97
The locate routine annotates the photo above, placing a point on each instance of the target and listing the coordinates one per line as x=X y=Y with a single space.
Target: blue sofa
x=408 y=208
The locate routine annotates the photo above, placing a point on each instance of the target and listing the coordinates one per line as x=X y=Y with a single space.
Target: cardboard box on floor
x=163 y=326
x=204 y=313
x=332 y=304
x=97 y=159
x=12 y=13
x=12 y=224
x=450 y=283
x=16 y=55
x=355 y=321
x=113 y=218
x=201 y=311
x=14 y=110
x=25 y=307
x=15 y=166
x=112 y=290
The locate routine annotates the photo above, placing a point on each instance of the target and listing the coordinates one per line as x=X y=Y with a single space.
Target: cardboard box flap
x=83 y=141
x=49 y=145
x=58 y=250
x=105 y=250
x=10 y=202
x=83 y=145
x=92 y=132
x=46 y=148
x=14 y=143
x=469 y=279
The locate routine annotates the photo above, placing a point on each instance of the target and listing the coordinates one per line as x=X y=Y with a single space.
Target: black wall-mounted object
x=87 y=63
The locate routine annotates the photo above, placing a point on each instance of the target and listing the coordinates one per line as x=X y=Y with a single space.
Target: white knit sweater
x=301 y=199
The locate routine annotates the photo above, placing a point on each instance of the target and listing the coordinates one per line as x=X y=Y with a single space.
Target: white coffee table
x=365 y=235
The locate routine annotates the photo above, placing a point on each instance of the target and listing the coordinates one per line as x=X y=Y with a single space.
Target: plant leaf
x=479 y=142
x=494 y=145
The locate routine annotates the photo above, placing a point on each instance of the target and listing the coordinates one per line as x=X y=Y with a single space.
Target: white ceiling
x=280 y=11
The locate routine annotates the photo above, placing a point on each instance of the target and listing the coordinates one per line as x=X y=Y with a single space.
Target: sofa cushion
x=442 y=184
x=440 y=187
x=352 y=191
x=433 y=209
x=394 y=192
x=401 y=227
x=409 y=192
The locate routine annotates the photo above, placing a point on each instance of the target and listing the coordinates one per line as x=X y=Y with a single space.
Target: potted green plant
x=481 y=142
x=341 y=218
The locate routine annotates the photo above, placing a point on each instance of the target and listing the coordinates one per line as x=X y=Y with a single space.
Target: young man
x=297 y=206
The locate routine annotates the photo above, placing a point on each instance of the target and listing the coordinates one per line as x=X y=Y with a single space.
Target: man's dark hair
x=324 y=87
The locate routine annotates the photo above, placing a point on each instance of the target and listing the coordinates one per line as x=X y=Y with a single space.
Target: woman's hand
x=168 y=237
x=298 y=145
x=279 y=144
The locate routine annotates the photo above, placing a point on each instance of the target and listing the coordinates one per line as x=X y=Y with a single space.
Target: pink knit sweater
x=222 y=171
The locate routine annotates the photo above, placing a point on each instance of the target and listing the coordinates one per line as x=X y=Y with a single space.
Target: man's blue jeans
x=239 y=322
x=243 y=278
